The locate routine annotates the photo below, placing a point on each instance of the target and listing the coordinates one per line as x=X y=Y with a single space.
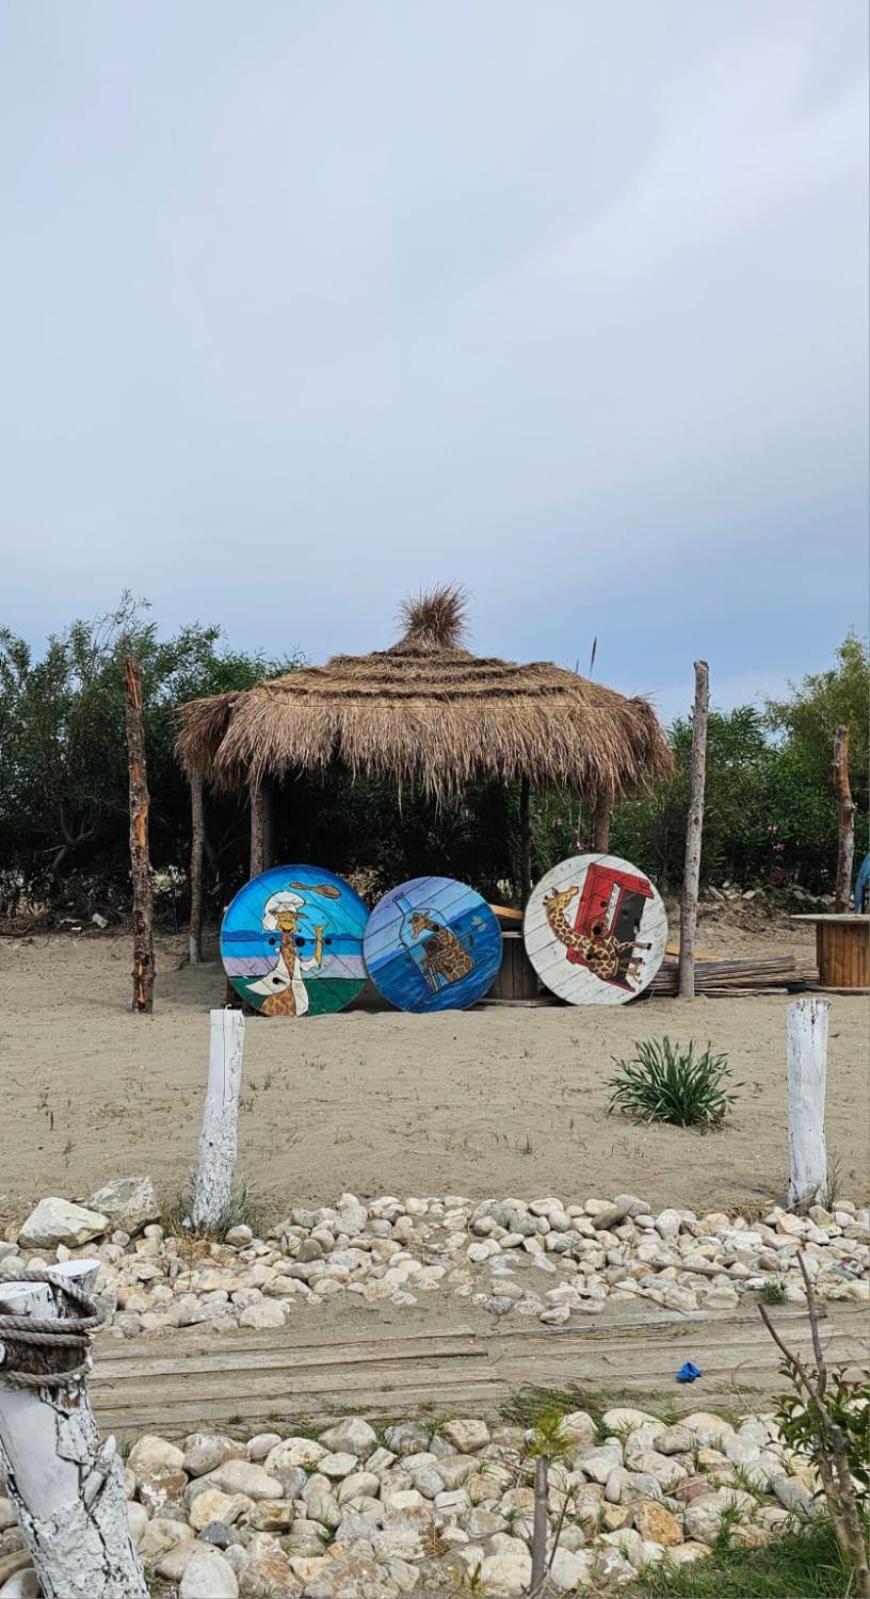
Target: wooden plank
x=595 y=930
x=259 y=1377
x=193 y=1340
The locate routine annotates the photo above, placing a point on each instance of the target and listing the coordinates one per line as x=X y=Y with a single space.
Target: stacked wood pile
x=720 y=979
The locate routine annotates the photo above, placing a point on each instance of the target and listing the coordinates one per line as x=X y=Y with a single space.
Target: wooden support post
x=260 y=828
x=67 y=1489
x=218 y=1141
x=845 y=821
x=601 y=814
x=525 y=841
x=807 y=1052
x=197 y=834
x=694 y=833
x=140 y=861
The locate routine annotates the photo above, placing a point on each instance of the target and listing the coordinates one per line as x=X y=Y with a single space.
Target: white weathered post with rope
x=807 y=1031
x=218 y=1141
x=67 y=1487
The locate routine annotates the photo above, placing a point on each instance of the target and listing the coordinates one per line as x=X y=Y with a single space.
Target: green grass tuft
x=665 y=1082
x=796 y=1565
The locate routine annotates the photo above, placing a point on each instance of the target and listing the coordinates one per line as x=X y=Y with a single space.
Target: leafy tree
x=820 y=704
x=63 y=763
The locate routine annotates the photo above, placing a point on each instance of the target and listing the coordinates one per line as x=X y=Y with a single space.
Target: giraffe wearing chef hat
x=284 y=986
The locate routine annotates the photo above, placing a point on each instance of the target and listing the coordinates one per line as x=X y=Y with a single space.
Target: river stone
x=354 y=1575
x=151 y=1455
x=243 y=1477
x=579 y=1428
x=336 y=1466
x=707 y=1429
x=273 y=1515
x=466 y=1435
x=703 y=1517
x=261 y=1444
x=656 y=1524
x=137 y=1517
x=208 y=1575
x=267 y=1573
x=205 y=1451
x=215 y=1505
x=23 y=1585
x=129 y=1202
x=56 y=1221
x=570 y=1570
x=265 y=1314
x=353 y=1436
x=305 y=1452
x=508 y=1568
x=161 y=1535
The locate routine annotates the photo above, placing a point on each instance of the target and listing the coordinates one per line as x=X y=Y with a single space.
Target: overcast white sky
x=305 y=305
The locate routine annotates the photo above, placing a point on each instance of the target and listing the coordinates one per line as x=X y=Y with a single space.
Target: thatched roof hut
x=427 y=710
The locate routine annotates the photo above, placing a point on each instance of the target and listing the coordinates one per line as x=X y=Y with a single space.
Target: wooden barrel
x=843 y=951
x=516 y=977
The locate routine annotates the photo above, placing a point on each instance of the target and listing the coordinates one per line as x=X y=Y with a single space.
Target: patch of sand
x=487 y=1102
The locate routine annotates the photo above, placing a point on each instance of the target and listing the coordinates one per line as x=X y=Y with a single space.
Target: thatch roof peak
x=437 y=618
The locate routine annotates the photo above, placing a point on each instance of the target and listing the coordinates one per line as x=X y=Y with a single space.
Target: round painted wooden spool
x=291 y=942
x=432 y=944
x=595 y=930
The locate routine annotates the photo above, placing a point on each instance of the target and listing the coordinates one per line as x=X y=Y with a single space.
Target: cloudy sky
x=307 y=303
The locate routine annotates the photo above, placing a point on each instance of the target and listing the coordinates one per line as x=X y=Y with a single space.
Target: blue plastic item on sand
x=689 y=1372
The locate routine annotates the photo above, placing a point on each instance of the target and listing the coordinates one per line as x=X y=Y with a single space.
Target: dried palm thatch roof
x=428 y=710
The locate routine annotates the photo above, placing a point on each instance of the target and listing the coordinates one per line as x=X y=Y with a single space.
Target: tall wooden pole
x=601 y=815
x=845 y=821
x=140 y=861
x=258 y=828
x=525 y=841
x=694 y=832
x=197 y=833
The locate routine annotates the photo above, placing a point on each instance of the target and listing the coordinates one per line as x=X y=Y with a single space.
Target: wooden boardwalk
x=192 y=1379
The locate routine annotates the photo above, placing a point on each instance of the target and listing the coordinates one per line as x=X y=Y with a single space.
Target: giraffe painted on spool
x=599 y=949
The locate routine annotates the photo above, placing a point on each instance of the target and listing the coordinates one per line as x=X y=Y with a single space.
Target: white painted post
x=807 y=1070
x=218 y=1141
x=67 y=1489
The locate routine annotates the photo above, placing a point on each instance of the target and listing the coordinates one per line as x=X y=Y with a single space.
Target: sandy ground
x=488 y=1102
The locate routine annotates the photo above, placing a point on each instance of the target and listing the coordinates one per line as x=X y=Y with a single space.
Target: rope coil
x=31 y=1345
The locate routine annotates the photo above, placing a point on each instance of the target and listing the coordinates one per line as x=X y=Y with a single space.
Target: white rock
x=353 y=1436
x=137 y=1517
x=268 y=1313
x=56 y=1221
x=708 y=1429
x=130 y=1203
x=338 y=1465
x=304 y=1452
x=22 y=1585
x=508 y=1569
x=205 y=1451
x=570 y=1569
x=466 y=1435
x=151 y=1455
x=208 y=1575
x=260 y=1445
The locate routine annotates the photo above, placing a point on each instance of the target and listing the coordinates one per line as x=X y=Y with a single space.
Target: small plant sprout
x=666 y=1082
x=773 y=1293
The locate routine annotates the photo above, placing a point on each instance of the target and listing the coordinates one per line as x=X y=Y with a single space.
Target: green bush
x=665 y=1083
